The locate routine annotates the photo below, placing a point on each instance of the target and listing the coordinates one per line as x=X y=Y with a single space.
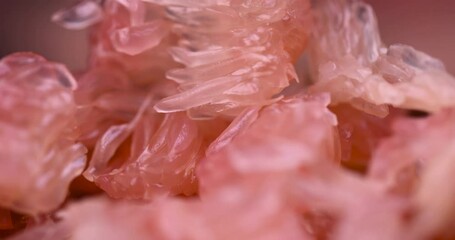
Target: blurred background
x=25 y=25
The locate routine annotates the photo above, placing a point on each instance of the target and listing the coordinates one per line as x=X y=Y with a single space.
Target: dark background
x=25 y=25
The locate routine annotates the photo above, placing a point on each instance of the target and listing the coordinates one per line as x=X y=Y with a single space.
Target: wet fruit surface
x=185 y=125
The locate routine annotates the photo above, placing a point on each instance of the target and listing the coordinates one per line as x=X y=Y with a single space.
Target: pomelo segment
x=237 y=53
x=350 y=61
x=38 y=151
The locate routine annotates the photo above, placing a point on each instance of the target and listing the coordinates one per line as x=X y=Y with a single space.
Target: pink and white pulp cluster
x=195 y=129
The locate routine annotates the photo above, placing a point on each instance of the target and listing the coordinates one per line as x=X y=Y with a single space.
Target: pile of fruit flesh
x=191 y=123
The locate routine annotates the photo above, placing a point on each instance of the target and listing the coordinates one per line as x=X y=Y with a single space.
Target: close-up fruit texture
x=226 y=119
